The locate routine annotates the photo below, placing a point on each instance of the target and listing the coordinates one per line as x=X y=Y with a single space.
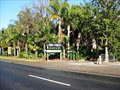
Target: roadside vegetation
x=89 y=29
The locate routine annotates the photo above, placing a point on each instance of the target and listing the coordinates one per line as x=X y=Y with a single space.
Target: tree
x=56 y=10
x=3 y=37
x=13 y=35
x=108 y=10
x=77 y=21
x=26 y=21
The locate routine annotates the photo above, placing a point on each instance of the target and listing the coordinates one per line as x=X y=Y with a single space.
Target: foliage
x=24 y=55
x=76 y=56
x=5 y=53
x=31 y=55
x=41 y=55
x=93 y=27
x=21 y=55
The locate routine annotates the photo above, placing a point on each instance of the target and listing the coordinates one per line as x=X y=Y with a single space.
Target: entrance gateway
x=53 y=48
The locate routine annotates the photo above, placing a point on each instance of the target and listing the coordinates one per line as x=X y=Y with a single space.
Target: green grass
x=18 y=59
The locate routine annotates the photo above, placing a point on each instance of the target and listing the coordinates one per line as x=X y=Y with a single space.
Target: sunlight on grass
x=19 y=59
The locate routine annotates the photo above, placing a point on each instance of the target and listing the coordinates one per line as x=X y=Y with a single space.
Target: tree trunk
x=78 y=41
x=26 y=44
x=14 y=50
x=2 y=50
x=18 y=50
x=36 y=54
x=44 y=49
x=106 y=52
x=63 y=52
x=60 y=31
x=68 y=28
x=94 y=45
x=26 y=48
x=28 y=30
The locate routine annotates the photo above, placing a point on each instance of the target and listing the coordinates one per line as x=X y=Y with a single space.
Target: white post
x=100 y=60
x=60 y=56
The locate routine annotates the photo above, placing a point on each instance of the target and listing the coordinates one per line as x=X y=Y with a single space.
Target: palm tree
x=67 y=20
x=56 y=10
x=3 y=40
x=26 y=21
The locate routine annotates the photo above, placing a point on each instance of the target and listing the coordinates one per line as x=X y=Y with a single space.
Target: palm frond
x=50 y=11
x=54 y=16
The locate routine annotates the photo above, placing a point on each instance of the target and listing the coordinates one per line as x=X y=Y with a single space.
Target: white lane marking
x=50 y=80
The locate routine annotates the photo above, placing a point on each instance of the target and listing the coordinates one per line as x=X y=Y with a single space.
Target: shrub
x=21 y=55
x=31 y=55
x=24 y=55
x=41 y=55
x=77 y=56
x=5 y=53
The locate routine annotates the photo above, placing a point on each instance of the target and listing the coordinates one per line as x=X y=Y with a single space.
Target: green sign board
x=57 y=46
x=53 y=48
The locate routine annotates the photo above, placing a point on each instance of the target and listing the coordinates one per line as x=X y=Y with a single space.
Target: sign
x=69 y=51
x=51 y=46
x=9 y=50
x=53 y=51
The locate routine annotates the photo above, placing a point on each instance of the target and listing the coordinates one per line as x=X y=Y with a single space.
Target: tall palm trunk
x=14 y=48
x=106 y=52
x=63 y=51
x=78 y=41
x=26 y=44
x=26 y=48
x=18 y=50
x=94 y=45
x=36 y=54
x=60 y=31
x=2 y=50
x=44 y=50
x=68 y=28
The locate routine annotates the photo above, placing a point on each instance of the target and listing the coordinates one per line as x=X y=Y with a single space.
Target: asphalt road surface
x=20 y=77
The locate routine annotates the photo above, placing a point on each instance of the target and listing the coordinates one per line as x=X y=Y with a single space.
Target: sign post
x=53 y=48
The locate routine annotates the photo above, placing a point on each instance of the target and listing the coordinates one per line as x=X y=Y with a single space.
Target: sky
x=10 y=8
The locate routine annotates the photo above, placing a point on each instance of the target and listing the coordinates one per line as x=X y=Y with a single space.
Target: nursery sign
x=53 y=48
x=56 y=46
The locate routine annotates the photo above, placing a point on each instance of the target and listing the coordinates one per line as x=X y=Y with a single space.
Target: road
x=20 y=77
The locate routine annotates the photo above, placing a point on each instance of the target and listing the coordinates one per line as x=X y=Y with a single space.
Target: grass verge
x=18 y=59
